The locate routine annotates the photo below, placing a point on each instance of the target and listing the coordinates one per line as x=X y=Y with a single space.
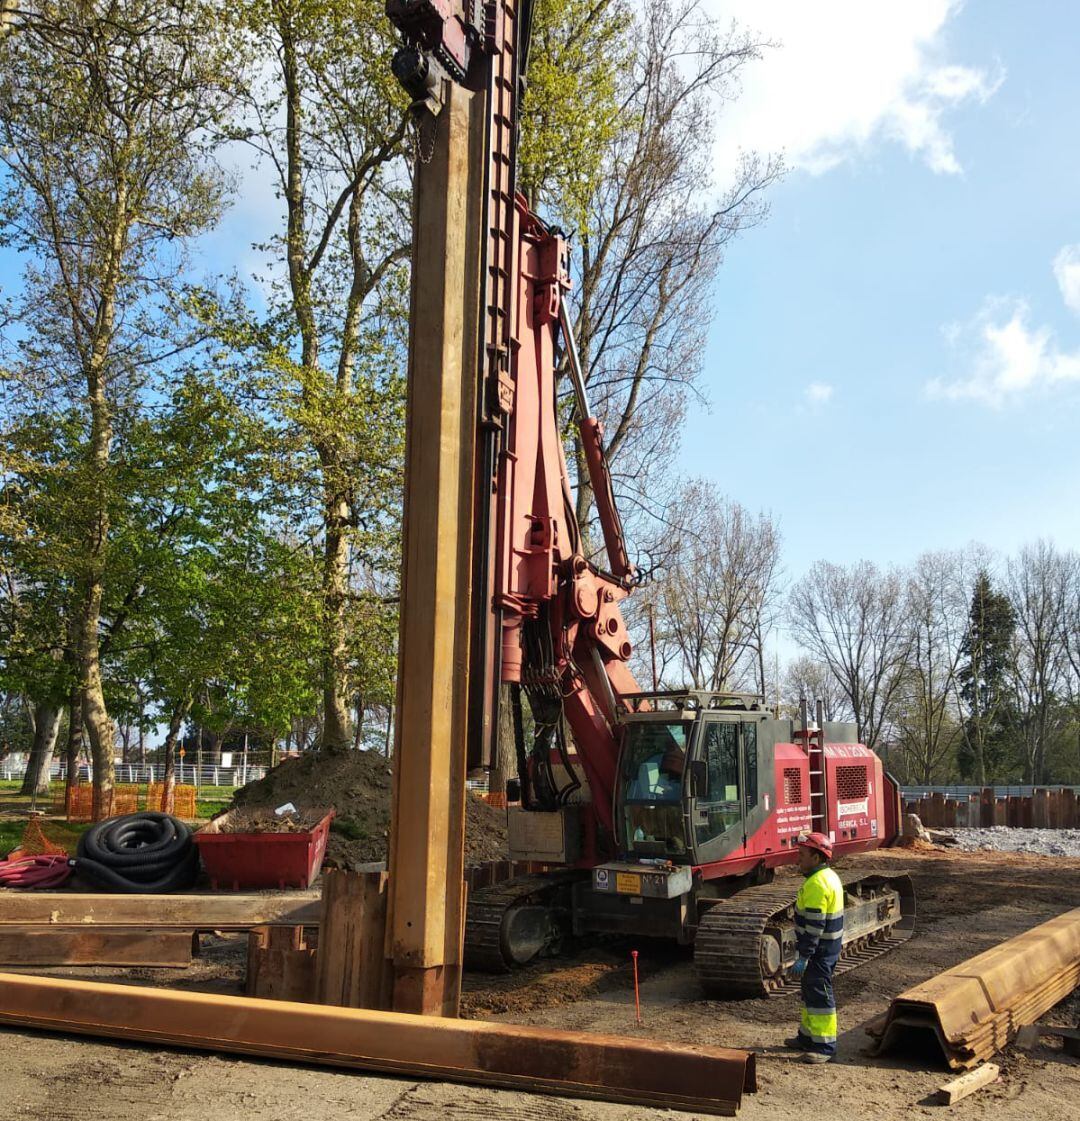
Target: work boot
x=795 y=1043
x=817 y=1057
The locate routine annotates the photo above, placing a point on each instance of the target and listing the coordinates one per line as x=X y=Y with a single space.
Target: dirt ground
x=967 y=901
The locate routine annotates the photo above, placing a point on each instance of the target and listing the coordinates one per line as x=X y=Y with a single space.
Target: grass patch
x=349 y=828
x=66 y=834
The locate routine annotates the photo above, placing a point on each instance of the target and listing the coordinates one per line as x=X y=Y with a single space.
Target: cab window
x=720 y=807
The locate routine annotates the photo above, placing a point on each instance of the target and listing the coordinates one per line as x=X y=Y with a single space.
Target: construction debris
x=1038 y=842
x=977 y=1007
x=966 y=1084
x=1029 y=1035
x=540 y=1060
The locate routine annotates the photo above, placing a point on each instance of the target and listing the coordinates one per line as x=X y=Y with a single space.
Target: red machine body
x=547 y=622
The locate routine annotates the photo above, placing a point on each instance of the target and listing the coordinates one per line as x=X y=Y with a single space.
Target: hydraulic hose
x=43 y=871
x=144 y=852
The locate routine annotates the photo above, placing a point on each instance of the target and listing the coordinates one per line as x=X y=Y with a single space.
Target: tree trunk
x=46 y=726
x=358 y=727
x=74 y=744
x=98 y=726
x=503 y=746
x=176 y=720
x=336 y=733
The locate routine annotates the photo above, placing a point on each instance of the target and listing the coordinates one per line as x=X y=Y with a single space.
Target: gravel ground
x=1040 y=842
x=968 y=902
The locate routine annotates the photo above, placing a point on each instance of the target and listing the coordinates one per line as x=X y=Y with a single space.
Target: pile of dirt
x=358 y=785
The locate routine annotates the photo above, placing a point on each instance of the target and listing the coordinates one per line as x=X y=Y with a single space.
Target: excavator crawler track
x=739 y=949
x=487 y=946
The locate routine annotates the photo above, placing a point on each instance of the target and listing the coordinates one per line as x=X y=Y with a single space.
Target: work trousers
x=817 y=1031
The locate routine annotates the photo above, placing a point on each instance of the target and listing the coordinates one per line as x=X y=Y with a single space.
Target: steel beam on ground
x=425 y=920
x=221 y=911
x=541 y=1060
x=977 y=1007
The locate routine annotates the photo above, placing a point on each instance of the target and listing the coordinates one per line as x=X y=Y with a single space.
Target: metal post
x=425 y=921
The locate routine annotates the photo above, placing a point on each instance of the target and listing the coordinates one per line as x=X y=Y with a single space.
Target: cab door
x=718 y=803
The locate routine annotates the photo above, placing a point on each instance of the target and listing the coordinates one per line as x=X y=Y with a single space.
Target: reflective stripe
x=828 y=1011
x=821 y=1028
x=822 y=891
x=819 y=912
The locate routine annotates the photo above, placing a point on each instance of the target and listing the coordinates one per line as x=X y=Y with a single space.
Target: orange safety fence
x=183 y=800
x=128 y=798
x=125 y=799
x=80 y=806
x=35 y=843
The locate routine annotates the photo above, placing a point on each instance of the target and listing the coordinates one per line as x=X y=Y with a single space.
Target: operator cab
x=689 y=776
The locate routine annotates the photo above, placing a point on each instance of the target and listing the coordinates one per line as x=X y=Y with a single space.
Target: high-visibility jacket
x=819 y=915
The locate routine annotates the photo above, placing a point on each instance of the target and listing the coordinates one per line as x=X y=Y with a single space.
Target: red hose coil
x=35 y=871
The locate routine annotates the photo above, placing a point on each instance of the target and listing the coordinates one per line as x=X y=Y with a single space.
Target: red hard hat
x=818 y=842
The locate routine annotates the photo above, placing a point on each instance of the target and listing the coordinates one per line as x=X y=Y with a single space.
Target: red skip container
x=235 y=861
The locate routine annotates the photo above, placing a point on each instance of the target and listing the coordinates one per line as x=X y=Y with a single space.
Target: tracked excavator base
x=508 y=925
x=745 y=945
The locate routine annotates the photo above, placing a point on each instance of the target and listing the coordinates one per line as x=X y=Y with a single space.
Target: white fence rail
x=189 y=773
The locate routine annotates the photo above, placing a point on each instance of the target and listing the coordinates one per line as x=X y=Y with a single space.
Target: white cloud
x=819 y=393
x=1067 y=273
x=1007 y=356
x=848 y=74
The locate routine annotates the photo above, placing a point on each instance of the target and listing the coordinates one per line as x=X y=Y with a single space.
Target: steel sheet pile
x=977 y=1007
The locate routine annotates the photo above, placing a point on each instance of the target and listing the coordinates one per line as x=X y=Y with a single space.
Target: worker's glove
x=799 y=968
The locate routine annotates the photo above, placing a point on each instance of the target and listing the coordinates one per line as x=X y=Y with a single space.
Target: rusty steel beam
x=424 y=919
x=96 y=945
x=222 y=911
x=977 y=1007
x=541 y=1060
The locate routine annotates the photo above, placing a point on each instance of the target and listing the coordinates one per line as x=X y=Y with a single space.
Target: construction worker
x=819 y=932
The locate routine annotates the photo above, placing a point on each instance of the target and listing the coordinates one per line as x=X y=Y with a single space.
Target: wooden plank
x=222 y=911
x=352 y=967
x=536 y=1059
x=968 y=1083
x=425 y=921
x=42 y=945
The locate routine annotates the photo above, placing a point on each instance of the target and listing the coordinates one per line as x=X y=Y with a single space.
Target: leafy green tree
x=108 y=110
x=328 y=123
x=983 y=675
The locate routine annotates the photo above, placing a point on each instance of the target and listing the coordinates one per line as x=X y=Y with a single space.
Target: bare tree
x=651 y=239
x=811 y=680
x=928 y=725
x=1070 y=625
x=712 y=597
x=853 y=619
x=1037 y=587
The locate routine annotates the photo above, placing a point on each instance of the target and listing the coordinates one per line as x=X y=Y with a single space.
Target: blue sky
x=894 y=363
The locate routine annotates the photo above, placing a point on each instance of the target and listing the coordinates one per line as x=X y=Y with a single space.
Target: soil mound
x=357 y=784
